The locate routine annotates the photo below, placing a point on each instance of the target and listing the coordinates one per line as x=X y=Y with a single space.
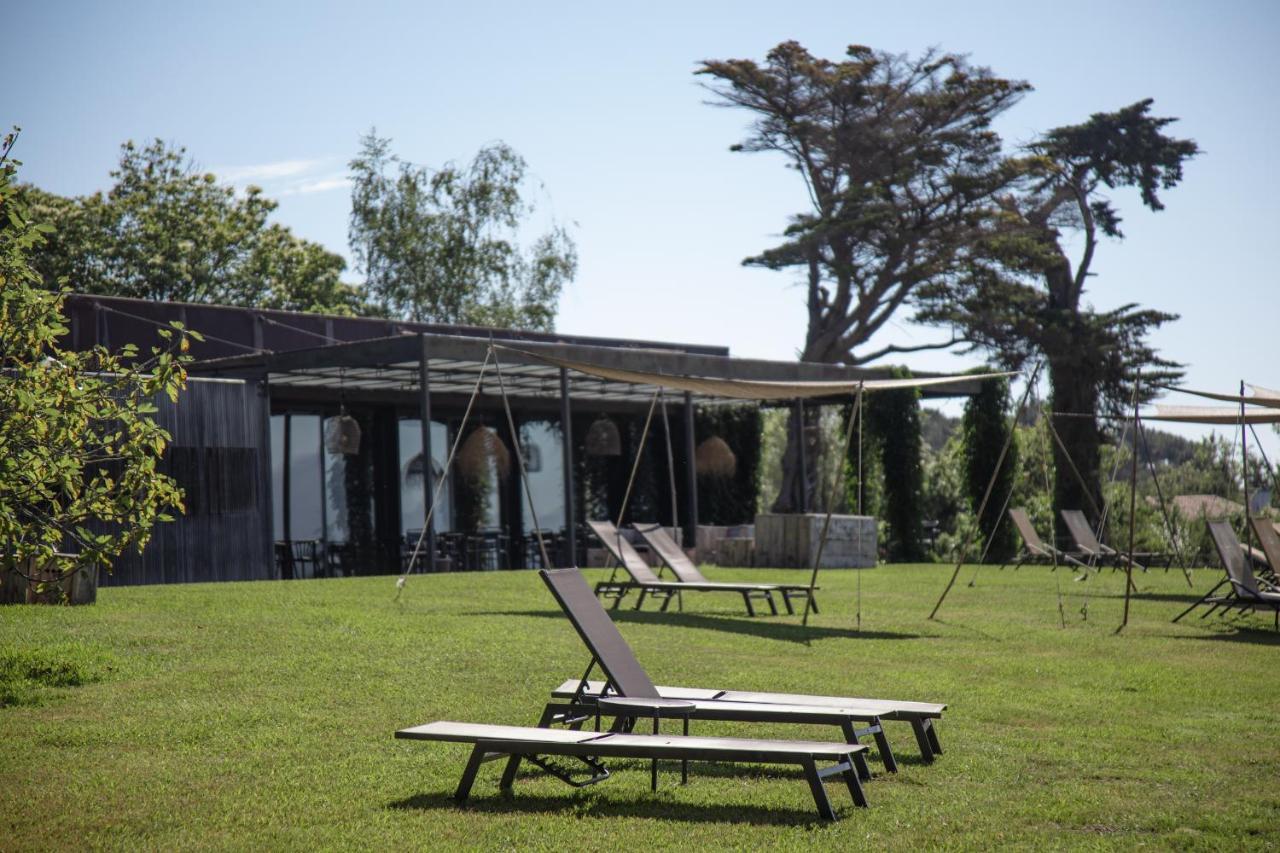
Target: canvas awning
x=747 y=389
x=1213 y=415
x=1260 y=396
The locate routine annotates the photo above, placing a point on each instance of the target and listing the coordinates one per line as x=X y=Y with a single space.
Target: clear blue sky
x=603 y=104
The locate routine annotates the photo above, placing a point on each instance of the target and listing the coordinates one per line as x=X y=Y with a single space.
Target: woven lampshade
x=482 y=445
x=342 y=435
x=603 y=438
x=714 y=458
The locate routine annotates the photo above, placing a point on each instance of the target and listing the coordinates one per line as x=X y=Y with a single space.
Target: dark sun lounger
x=644 y=580
x=1246 y=591
x=627 y=678
x=687 y=572
x=516 y=743
x=1035 y=549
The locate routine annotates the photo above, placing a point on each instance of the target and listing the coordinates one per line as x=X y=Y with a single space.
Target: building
x=279 y=485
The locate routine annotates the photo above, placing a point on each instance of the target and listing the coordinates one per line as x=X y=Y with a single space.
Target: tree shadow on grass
x=758 y=626
x=597 y=806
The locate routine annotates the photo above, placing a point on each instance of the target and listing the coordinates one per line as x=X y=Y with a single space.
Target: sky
x=626 y=152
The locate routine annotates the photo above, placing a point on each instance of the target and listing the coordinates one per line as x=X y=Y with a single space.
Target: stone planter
x=791 y=541
x=78 y=587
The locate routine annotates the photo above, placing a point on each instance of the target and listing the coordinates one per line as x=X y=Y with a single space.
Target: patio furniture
x=1088 y=546
x=687 y=572
x=1034 y=548
x=648 y=583
x=1269 y=541
x=1246 y=591
x=304 y=556
x=627 y=678
x=517 y=743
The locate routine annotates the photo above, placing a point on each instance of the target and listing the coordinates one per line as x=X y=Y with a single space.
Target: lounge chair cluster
x=687 y=576
x=627 y=696
x=1245 y=591
x=1087 y=551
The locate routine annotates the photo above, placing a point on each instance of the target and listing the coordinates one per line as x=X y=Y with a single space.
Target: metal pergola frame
x=428 y=369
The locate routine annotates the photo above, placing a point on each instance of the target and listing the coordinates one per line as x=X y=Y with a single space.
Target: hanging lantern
x=413 y=471
x=603 y=438
x=342 y=435
x=480 y=447
x=532 y=454
x=714 y=458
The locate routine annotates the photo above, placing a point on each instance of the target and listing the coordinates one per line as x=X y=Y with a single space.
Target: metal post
x=1244 y=470
x=691 y=475
x=428 y=475
x=1133 y=504
x=566 y=441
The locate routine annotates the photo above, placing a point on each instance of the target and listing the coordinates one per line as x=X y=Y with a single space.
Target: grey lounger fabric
x=1269 y=540
x=1033 y=547
x=628 y=678
x=674 y=557
x=1245 y=592
x=1087 y=543
x=518 y=742
x=648 y=583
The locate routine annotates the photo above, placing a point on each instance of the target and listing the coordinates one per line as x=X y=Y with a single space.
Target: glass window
x=306 y=515
x=348 y=489
x=412 y=505
x=544 y=460
x=277 y=476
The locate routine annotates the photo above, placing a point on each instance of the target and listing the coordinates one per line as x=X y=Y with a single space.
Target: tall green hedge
x=731 y=500
x=985 y=428
x=892 y=419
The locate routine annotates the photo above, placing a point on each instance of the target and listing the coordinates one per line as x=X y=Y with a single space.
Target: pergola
x=430 y=369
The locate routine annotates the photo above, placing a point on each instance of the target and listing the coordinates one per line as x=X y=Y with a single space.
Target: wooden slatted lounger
x=518 y=742
x=627 y=678
x=688 y=573
x=644 y=580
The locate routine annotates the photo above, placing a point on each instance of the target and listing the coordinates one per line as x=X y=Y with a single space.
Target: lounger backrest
x=671 y=553
x=598 y=632
x=1080 y=530
x=1232 y=556
x=622 y=551
x=1269 y=539
x=1026 y=530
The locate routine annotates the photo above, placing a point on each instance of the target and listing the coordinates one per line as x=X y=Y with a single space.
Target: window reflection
x=277 y=476
x=412 y=504
x=306 y=488
x=544 y=458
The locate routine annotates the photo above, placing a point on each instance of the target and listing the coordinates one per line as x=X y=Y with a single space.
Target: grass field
x=260 y=716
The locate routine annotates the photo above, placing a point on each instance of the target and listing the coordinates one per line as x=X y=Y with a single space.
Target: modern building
x=300 y=441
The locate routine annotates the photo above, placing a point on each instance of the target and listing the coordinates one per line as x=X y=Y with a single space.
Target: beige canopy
x=1260 y=397
x=748 y=389
x=1213 y=415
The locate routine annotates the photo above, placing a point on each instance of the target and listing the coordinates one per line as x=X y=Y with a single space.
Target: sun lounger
x=1245 y=592
x=627 y=678
x=648 y=583
x=516 y=743
x=1269 y=540
x=1087 y=544
x=687 y=572
x=1035 y=549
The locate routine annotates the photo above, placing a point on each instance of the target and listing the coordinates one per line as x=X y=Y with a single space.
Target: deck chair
x=1246 y=591
x=1087 y=544
x=624 y=676
x=517 y=743
x=1269 y=540
x=1035 y=549
x=687 y=572
x=648 y=583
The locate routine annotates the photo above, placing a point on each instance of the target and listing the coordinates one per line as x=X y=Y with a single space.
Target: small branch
x=893 y=348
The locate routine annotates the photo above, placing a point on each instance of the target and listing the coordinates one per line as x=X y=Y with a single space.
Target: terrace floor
x=255 y=715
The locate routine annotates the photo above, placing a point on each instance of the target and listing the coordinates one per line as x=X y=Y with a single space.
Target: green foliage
x=731 y=500
x=167 y=231
x=985 y=428
x=443 y=246
x=78 y=450
x=893 y=419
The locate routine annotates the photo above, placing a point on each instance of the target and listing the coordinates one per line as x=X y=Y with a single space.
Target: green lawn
x=261 y=714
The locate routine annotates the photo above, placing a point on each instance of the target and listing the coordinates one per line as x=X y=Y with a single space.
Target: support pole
x=566 y=445
x=428 y=475
x=991 y=484
x=1133 y=505
x=1244 y=470
x=831 y=505
x=802 y=454
x=691 y=475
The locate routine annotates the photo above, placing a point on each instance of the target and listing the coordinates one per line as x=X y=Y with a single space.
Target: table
x=634 y=707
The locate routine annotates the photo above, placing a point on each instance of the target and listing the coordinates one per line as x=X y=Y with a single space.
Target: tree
x=443 y=246
x=167 y=231
x=1022 y=296
x=901 y=168
x=893 y=420
x=985 y=427
x=78 y=452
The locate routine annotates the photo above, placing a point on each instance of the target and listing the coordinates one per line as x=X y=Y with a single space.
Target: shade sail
x=1213 y=415
x=748 y=389
x=1260 y=396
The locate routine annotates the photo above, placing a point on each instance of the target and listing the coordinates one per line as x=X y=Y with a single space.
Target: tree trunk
x=1074 y=390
